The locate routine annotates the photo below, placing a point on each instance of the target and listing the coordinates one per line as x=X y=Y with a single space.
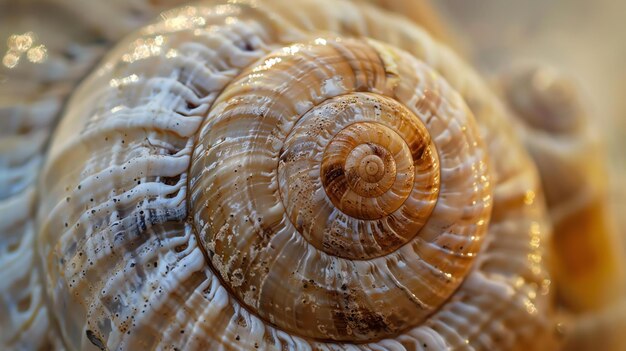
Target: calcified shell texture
x=48 y=50
x=323 y=176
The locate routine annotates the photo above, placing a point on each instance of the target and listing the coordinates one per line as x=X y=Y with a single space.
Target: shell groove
x=152 y=140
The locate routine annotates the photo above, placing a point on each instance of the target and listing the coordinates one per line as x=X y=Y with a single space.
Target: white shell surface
x=45 y=49
x=123 y=267
x=41 y=59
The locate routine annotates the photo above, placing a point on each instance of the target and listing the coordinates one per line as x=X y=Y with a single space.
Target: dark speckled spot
x=95 y=340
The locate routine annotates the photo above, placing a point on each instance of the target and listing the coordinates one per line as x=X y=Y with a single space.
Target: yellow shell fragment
x=556 y=128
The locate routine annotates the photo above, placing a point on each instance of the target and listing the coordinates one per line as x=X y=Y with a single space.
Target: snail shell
x=251 y=175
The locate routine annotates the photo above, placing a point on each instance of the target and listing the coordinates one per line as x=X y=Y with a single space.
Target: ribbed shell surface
x=153 y=211
x=46 y=49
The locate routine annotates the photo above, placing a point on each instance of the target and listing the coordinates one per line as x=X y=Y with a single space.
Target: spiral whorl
x=252 y=175
x=356 y=155
x=336 y=170
x=359 y=168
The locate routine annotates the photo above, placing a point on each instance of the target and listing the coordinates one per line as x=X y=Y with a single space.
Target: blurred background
x=584 y=39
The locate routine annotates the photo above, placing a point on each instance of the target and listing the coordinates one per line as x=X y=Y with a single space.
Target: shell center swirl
x=372 y=164
x=341 y=196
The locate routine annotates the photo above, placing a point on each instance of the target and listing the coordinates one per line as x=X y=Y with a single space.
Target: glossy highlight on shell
x=253 y=175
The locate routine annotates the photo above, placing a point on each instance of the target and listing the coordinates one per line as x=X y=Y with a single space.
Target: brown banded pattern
x=247 y=175
x=279 y=204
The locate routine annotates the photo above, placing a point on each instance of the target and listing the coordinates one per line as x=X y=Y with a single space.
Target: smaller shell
x=557 y=131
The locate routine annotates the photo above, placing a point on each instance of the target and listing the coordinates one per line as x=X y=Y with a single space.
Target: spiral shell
x=336 y=176
x=250 y=175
